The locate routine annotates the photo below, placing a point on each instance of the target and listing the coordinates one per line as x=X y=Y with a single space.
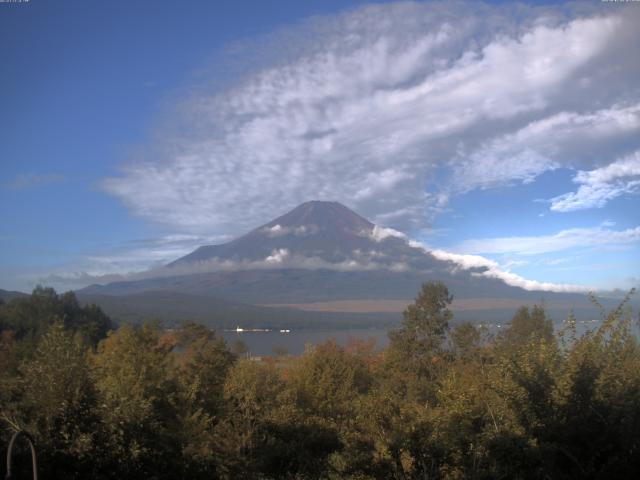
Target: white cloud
x=280 y=231
x=562 y=139
x=378 y=106
x=563 y=240
x=275 y=231
x=602 y=184
x=482 y=266
x=380 y=234
x=277 y=256
x=491 y=269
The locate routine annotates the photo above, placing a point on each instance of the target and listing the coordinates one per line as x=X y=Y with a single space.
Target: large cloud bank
x=393 y=109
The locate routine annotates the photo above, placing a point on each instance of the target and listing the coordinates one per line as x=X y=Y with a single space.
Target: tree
x=326 y=381
x=328 y=385
x=58 y=404
x=415 y=353
x=201 y=365
x=527 y=325
x=137 y=399
x=465 y=339
x=29 y=317
x=161 y=404
x=426 y=322
x=251 y=394
x=595 y=429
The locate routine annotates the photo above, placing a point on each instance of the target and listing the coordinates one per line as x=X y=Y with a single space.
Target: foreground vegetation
x=439 y=402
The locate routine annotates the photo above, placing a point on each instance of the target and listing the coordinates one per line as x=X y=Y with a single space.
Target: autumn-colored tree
x=328 y=385
x=466 y=340
x=202 y=366
x=251 y=396
x=137 y=399
x=594 y=431
x=437 y=403
x=58 y=404
x=201 y=363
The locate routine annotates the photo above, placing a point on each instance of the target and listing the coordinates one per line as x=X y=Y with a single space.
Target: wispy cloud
x=135 y=259
x=602 y=184
x=394 y=108
x=563 y=139
x=25 y=181
x=563 y=240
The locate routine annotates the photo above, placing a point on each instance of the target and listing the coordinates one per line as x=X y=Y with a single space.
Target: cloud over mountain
x=483 y=267
x=396 y=108
x=335 y=239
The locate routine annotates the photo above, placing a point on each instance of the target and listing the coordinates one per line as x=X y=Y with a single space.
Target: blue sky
x=132 y=132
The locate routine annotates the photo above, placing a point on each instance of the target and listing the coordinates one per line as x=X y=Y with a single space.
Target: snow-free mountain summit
x=314 y=234
x=321 y=253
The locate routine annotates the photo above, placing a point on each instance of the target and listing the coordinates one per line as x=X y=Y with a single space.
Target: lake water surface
x=264 y=343
x=294 y=342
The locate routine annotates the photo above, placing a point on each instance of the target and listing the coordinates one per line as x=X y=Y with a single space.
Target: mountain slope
x=7 y=295
x=327 y=230
x=322 y=252
x=173 y=307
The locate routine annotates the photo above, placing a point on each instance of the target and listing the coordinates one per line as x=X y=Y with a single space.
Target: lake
x=265 y=342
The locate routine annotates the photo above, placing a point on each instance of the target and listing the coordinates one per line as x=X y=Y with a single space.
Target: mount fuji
x=321 y=257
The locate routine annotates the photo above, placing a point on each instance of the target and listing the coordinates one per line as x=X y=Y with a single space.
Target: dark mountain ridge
x=7 y=295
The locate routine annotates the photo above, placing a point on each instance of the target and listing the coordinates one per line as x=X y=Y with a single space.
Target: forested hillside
x=439 y=402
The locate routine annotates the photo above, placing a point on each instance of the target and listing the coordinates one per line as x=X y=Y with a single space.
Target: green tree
x=251 y=394
x=137 y=399
x=425 y=325
x=436 y=403
x=595 y=429
x=58 y=404
x=328 y=385
x=466 y=340
x=415 y=354
x=30 y=316
x=201 y=364
x=528 y=324
x=327 y=381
